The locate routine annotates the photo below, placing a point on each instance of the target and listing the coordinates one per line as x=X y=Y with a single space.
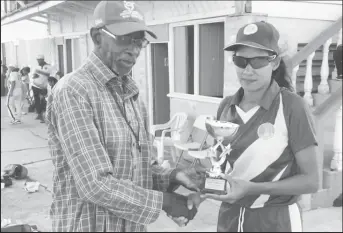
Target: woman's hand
x=236 y=189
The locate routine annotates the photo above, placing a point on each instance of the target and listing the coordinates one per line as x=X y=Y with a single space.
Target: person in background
x=26 y=84
x=3 y=79
x=53 y=79
x=15 y=97
x=337 y=56
x=40 y=85
x=7 y=74
x=10 y=70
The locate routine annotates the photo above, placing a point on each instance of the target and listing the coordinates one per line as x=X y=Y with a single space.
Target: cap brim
x=124 y=28
x=233 y=47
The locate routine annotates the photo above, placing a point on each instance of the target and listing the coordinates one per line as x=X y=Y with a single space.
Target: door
x=160 y=83
x=69 y=56
x=60 y=58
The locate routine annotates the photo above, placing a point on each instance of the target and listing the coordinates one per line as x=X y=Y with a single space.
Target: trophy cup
x=219 y=130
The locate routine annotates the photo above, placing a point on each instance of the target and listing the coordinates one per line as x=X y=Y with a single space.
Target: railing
x=335 y=100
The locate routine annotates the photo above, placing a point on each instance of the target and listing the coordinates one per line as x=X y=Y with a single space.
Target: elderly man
x=104 y=177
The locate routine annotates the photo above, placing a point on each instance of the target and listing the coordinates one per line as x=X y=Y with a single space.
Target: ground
x=27 y=143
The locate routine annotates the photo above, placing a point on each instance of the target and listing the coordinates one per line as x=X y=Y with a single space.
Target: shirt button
x=133 y=144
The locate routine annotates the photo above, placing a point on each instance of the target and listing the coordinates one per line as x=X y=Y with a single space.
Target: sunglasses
x=128 y=40
x=255 y=62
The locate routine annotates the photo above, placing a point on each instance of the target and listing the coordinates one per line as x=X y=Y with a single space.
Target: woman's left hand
x=236 y=189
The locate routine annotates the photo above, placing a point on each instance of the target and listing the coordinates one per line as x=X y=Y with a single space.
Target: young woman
x=273 y=158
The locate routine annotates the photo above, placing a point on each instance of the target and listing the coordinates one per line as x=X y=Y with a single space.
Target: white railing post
x=339 y=41
x=336 y=162
x=308 y=83
x=323 y=87
x=294 y=77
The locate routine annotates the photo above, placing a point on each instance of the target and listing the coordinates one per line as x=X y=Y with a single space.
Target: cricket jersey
x=264 y=147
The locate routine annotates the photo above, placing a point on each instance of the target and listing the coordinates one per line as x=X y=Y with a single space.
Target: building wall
x=299 y=30
x=161 y=10
x=159 y=14
x=293 y=30
x=11 y=58
x=26 y=51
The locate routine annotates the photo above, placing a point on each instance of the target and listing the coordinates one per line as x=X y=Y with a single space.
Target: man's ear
x=276 y=63
x=96 y=37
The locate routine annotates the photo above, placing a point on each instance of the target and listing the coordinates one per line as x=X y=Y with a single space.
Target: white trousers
x=14 y=105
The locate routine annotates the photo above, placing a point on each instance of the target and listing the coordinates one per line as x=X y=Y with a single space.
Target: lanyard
x=138 y=145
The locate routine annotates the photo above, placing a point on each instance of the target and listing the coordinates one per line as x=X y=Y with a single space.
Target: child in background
x=52 y=80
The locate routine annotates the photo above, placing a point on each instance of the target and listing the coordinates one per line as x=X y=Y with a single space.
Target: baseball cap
x=40 y=56
x=120 y=17
x=261 y=35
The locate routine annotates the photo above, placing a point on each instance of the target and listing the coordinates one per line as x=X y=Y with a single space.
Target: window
x=184 y=59
x=211 y=59
x=199 y=59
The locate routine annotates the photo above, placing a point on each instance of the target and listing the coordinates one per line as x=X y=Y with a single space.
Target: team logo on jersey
x=266 y=131
x=250 y=29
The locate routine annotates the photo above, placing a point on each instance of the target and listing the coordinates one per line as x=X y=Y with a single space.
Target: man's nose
x=134 y=50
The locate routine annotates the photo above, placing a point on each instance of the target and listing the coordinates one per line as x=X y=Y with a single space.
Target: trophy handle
x=219 y=162
x=226 y=149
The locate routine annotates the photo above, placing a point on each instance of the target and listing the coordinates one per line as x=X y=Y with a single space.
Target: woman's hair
x=26 y=68
x=281 y=76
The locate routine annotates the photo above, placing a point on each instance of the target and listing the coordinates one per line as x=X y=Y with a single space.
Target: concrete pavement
x=27 y=143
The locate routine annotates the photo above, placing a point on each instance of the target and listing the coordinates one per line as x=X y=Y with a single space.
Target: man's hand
x=180 y=221
x=236 y=190
x=175 y=205
x=191 y=178
x=194 y=199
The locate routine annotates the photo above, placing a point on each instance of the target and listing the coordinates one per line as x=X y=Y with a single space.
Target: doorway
x=160 y=83
x=60 y=58
x=69 y=56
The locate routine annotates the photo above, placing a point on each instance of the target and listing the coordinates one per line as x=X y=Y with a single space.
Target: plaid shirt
x=101 y=182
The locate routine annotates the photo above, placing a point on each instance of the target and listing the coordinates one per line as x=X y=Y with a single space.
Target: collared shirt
x=265 y=101
x=264 y=147
x=101 y=182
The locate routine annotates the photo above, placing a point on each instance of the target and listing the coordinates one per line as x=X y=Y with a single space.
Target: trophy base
x=215 y=185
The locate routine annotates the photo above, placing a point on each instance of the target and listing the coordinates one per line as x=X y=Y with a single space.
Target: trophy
x=219 y=130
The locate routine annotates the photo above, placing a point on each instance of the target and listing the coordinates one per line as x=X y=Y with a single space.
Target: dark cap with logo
x=261 y=35
x=120 y=17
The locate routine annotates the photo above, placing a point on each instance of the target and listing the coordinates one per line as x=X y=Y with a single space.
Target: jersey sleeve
x=301 y=126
